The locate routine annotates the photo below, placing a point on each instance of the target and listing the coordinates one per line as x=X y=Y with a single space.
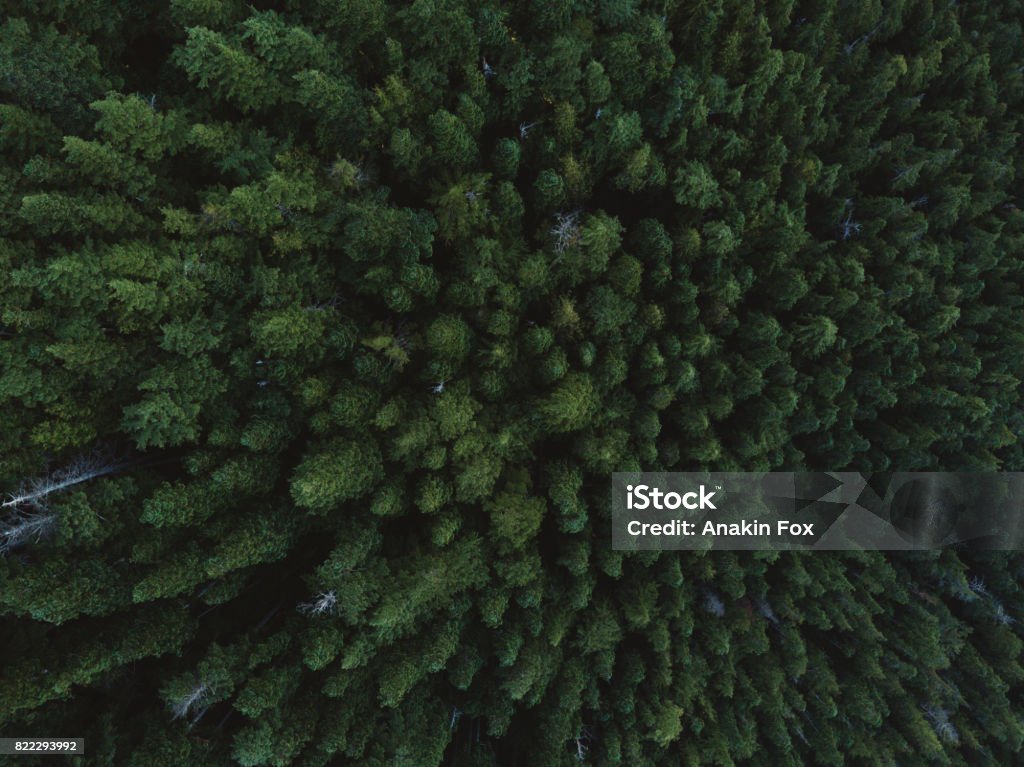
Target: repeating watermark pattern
x=685 y=511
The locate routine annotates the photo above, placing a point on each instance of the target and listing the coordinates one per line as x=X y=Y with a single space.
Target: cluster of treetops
x=323 y=325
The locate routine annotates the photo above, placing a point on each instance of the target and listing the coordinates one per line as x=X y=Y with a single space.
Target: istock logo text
x=643 y=497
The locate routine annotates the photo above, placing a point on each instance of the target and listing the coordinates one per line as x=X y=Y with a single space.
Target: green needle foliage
x=322 y=325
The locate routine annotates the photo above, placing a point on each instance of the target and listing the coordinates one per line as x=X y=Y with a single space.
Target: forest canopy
x=323 y=326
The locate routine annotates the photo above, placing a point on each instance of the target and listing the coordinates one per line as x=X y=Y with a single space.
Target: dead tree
x=582 y=743
x=939 y=718
x=36 y=491
x=322 y=605
x=26 y=515
x=181 y=707
x=566 y=231
x=24 y=526
x=849 y=227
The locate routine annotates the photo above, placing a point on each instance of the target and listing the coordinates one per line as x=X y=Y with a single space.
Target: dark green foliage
x=322 y=326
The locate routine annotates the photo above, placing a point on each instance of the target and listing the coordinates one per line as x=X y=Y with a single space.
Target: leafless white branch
x=183 y=705
x=323 y=604
x=566 y=231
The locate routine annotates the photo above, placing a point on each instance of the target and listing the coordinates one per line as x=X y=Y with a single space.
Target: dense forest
x=324 y=324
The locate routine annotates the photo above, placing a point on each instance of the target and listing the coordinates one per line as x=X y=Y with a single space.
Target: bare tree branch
x=24 y=526
x=82 y=470
x=323 y=604
x=566 y=231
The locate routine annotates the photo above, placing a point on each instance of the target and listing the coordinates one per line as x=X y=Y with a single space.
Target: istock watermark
x=817 y=510
x=644 y=496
